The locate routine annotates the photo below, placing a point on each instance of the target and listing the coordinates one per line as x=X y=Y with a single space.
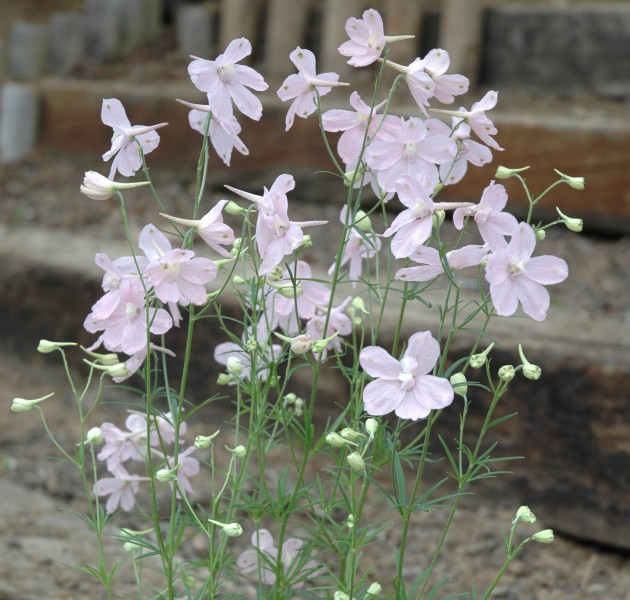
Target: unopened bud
x=438 y=218
x=374 y=590
x=506 y=373
x=289 y=291
x=205 y=441
x=577 y=183
x=354 y=175
x=237 y=280
x=290 y=398
x=524 y=514
x=234 y=365
x=237 y=244
x=230 y=529
x=46 y=346
x=530 y=371
x=94 y=436
x=336 y=441
x=321 y=345
x=506 y=172
x=251 y=345
x=166 y=475
x=301 y=344
x=238 y=452
x=356 y=462
x=371 y=425
x=338 y=595
x=350 y=434
x=307 y=241
x=541 y=234
x=571 y=224
x=274 y=275
x=543 y=537
x=359 y=304
x=224 y=379
x=23 y=405
x=458 y=382
x=362 y=221
x=231 y=208
x=477 y=361
x=118 y=370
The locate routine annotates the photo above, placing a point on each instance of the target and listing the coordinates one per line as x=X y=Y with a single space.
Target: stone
x=460 y=36
x=19 y=112
x=286 y=24
x=336 y=13
x=133 y=22
x=27 y=50
x=66 y=43
x=403 y=18
x=238 y=19
x=565 y=51
x=154 y=19
x=196 y=29
x=103 y=29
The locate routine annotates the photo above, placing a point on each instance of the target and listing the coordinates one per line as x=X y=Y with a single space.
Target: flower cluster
x=123 y=447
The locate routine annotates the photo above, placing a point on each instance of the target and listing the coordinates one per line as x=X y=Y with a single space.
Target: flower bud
x=506 y=373
x=362 y=221
x=288 y=291
x=94 y=436
x=234 y=365
x=224 y=379
x=298 y=409
x=524 y=514
x=571 y=224
x=371 y=425
x=307 y=242
x=251 y=345
x=476 y=361
x=359 y=304
x=438 y=218
x=23 y=405
x=541 y=234
x=98 y=187
x=350 y=434
x=166 y=475
x=506 y=172
x=336 y=441
x=530 y=371
x=290 y=398
x=543 y=537
x=46 y=346
x=374 y=590
x=350 y=521
x=237 y=245
x=274 y=275
x=321 y=345
x=230 y=529
x=355 y=175
x=238 y=452
x=231 y=208
x=577 y=183
x=356 y=462
x=205 y=441
x=338 y=595
x=301 y=344
x=458 y=382
x=118 y=370
x=237 y=280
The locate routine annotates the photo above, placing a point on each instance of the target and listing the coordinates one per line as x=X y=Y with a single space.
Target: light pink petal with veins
x=382 y=396
x=424 y=348
x=377 y=362
x=534 y=297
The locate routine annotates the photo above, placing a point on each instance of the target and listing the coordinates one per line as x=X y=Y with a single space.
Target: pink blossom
x=412 y=227
x=412 y=152
x=121 y=489
x=338 y=321
x=367 y=39
x=357 y=248
x=188 y=467
x=135 y=361
x=431 y=265
x=305 y=86
x=223 y=81
x=276 y=235
x=403 y=386
x=493 y=224
x=514 y=276
x=125 y=328
x=121 y=446
x=265 y=555
x=354 y=125
x=223 y=132
x=175 y=274
x=211 y=228
x=127 y=140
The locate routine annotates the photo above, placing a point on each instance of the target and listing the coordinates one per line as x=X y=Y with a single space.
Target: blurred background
x=562 y=69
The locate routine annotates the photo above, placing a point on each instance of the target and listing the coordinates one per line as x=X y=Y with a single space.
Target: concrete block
x=27 y=50
x=19 y=118
x=66 y=42
x=336 y=13
x=154 y=19
x=286 y=24
x=133 y=24
x=103 y=29
x=544 y=48
x=196 y=27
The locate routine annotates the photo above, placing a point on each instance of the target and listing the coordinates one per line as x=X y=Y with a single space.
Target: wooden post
x=286 y=23
x=403 y=17
x=194 y=30
x=238 y=19
x=19 y=109
x=460 y=36
x=336 y=13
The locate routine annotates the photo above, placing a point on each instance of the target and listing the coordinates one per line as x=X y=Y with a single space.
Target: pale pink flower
x=175 y=274
x=211 y=228
x=188 y=467
x=412 y=152
x=305 y=86
x=223 y=81
x=493 y=224
x=121 y=446
x=367 y=39
x=354 y=125
x=514 y=276
x=121 y=489
x=338 y=321
x=404 y=386
x=98 y=187
x=125 y=328
x=412 y=227
x=127 y=140
x=265 y=555
x=431 y=266
x=135 y=361
x=357 y=249
x=276 y=235
x=223 y=132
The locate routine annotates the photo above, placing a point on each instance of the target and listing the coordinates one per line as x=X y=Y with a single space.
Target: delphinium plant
x=308 y=531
